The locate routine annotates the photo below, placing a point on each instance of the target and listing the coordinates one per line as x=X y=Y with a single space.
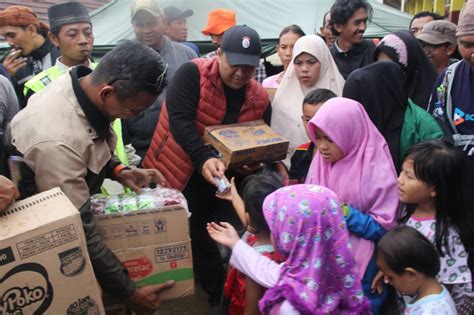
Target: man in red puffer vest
x=207 y=92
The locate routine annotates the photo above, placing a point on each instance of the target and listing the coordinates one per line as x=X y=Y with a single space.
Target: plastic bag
x=147 y=198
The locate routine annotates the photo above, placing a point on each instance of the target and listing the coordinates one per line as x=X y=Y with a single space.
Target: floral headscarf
x=319 y=275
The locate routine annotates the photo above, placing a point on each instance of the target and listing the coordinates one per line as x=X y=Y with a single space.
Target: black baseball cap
x=173 y=13
x=241 y=45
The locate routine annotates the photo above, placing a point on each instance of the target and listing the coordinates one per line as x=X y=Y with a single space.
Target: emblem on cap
x=246 y=42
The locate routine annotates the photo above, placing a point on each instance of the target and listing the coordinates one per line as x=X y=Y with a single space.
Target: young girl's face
x=402 y=282
x=411 y=189
x=307 y=69
x=328 y=149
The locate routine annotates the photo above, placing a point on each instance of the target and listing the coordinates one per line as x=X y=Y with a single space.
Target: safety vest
x=120 y=146
x=42 y=79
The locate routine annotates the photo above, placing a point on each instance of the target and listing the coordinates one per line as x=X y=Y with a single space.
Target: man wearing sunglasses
x=438 y=39
x=208 y=92
x=66 y=140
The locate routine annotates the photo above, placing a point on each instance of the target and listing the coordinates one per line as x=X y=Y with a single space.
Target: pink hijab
x=320 y=274
x=365 y=177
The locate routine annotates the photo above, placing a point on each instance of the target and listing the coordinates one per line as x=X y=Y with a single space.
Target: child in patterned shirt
x=319 y=275
x=431 y=187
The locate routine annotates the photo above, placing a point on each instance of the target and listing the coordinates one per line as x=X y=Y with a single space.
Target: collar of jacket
x=43 y=50
x=95 y=117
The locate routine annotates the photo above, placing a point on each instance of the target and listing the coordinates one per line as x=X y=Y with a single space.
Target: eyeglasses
x=153 y=86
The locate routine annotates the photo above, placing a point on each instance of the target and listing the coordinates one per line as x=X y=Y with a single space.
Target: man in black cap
x=71 y=32
x=176 y=26
x=208 y=92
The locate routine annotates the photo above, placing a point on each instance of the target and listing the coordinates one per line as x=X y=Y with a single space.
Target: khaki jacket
x=58 y=143
x=61 y=149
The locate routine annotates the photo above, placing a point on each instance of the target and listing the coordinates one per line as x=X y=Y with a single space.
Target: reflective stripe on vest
x=120 y=152
x=42 y=79
x=120 y=146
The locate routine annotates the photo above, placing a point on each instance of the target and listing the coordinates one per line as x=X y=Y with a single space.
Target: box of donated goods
x=44 y=263
x=246 y=143
x=149 y=233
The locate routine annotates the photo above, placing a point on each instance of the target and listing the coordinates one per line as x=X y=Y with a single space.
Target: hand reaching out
x=213 y=168
x=223 y=233
x=231 y=194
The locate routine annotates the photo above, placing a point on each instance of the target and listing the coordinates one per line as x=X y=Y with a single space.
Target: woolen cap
x=438 y=32
x=67 y=13
x=241 y=45
x=150 y=6
x=173 y=13
x=219 y=21
x=466 y=20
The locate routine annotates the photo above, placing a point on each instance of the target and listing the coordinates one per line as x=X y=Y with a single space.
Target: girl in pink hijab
x=319 y=275
x=353 y=160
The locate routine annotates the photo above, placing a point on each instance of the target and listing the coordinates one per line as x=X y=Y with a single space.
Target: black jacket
x=355 y=58
x=46 y=52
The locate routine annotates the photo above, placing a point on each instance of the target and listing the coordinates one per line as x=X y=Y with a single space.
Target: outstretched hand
x=223 y=233
x=231 y=194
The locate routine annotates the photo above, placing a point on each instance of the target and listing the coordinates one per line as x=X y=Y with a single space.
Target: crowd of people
x=368 y=214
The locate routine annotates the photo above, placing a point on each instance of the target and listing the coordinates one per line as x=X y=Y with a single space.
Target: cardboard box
x=246 y=143
x=154 y=245
x=44 y=263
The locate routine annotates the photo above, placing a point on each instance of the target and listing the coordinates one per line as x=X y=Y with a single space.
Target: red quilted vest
x=166 y=155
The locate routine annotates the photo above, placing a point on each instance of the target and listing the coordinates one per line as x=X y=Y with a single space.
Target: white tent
x=268 y=17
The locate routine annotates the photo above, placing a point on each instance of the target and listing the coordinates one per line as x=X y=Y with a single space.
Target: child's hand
x=377 y=283
x=223 y=233
x=231 y=194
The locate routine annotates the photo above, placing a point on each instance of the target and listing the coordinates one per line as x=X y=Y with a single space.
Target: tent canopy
x=268 y=17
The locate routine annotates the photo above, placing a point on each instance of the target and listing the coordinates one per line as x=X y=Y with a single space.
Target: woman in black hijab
x=404 y=49
x=381 y=88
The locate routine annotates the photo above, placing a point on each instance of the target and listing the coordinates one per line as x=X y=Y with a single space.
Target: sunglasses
x=153 y=86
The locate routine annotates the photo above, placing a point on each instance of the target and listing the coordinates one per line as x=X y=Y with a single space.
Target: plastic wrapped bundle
x=146 y=198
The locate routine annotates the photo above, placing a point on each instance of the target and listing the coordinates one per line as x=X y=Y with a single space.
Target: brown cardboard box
x=154 y=246
x=246 y=143
x=44 y=263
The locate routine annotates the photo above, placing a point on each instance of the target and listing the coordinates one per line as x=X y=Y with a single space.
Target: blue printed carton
x=246 y=143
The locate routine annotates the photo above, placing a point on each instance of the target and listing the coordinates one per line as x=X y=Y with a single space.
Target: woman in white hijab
x=312 y=67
